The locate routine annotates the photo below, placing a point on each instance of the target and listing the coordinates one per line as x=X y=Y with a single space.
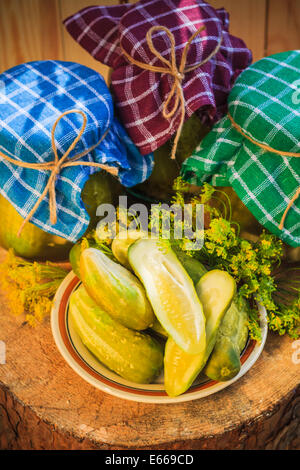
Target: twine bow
x=277 y=152
x=177 y=73
x=56 y=166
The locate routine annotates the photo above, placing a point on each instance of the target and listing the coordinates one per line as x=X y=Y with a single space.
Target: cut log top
x=45 y=404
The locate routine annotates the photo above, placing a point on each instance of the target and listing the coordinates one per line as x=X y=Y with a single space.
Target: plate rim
x=138 y=396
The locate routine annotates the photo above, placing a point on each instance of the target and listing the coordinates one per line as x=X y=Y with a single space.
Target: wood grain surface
x=29 y=30
x=283 y=32
x=44 y=404
x=247 y=21
x=72 y=50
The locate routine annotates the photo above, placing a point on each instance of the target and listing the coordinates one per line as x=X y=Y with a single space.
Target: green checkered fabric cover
x=265 y=103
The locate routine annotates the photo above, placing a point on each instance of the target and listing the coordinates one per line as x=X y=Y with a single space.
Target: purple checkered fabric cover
x=139 y=94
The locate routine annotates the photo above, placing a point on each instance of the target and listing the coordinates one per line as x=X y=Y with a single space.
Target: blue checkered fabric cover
x=32 y=97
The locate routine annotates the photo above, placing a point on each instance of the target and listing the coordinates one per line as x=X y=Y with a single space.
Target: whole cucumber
x=224 y=362
x=115 y=289
x=75 y=253
x=193 y=267
x=135 y=356
x=122 y=242
x=74 y=258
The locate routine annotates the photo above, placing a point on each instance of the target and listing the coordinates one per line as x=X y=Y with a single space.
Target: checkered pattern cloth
x=265 y=103
x=32 y=97
x=140 y=94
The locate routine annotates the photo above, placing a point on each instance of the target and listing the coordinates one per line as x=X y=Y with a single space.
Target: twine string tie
x=57 y=165
x=176 y=72
x=267 y=148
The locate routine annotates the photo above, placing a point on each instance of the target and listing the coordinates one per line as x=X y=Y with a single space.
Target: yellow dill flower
x=265 y=270
x=266 y=243
x=31 y=320
x=252 y=266
x=30 y=287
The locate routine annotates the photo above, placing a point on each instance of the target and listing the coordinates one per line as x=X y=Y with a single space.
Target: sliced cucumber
x=171 y=293
x=122 y=242
x=216 y=290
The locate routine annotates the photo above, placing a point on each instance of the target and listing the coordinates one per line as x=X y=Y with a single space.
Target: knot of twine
x=176 y=72
x=277 y=152
x=56 y=166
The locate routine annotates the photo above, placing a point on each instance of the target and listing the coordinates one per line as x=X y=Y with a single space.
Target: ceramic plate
x=91 y=370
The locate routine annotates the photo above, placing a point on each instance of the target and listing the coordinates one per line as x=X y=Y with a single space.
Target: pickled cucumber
x=158 y=328
x=193 y=267
x=100 y=188
x=224 y=362
x=135 y=356
x=122 y=242
x=216 y=290
x=75 y=253
x=115 y=289
x=195 y=270
x=74 y=258
x=171 y=293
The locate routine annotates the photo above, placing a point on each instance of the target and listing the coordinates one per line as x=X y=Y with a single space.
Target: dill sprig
x=30 y=286
x=254 y=265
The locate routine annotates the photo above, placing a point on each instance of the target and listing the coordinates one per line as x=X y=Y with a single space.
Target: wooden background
x=32 y=29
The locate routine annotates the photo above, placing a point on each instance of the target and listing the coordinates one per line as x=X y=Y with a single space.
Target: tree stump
x=44 y=404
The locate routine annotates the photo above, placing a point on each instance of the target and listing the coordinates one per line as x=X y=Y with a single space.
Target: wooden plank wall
x=32 y=29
